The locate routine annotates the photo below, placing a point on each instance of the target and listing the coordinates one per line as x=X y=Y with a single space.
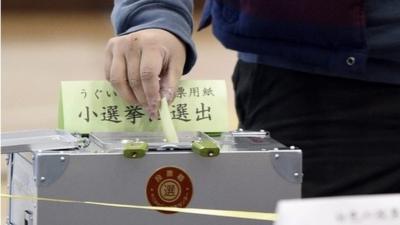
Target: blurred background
x=45 y=42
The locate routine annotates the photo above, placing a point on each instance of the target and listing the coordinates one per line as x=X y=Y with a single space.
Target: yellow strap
x=209 y=212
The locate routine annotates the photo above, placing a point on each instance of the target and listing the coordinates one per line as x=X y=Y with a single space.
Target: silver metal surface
x=243 y=133
x=288 y=164
x=49 y=167
x=37 y=140
x=22 y=183
x=236 y=181
x=10 y=166
x=247 y=175
x=249 y=141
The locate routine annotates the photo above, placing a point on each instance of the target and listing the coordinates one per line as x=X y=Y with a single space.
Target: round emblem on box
x=170 y=187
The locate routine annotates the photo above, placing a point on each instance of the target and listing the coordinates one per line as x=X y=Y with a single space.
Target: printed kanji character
x=353 y=215
x=169 y=190
x=340 y=217
x=86 y=114
x=133 y=113
x=201 y=113
x=170 y=173
x=181 y=177
x=381 y=214
x=208 y=92
x=111 y=114
x=180 y=92
x=395 y=213
x=158 y=178
x=194 y=92
x=180 y=112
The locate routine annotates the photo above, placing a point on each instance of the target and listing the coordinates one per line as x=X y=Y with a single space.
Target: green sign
x=87 y=106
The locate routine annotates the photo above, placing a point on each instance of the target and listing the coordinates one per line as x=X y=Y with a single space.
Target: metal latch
x=205 y=148
x=135 y=149
x=28 y=218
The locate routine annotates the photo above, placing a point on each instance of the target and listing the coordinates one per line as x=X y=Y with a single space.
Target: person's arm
x=152 y=50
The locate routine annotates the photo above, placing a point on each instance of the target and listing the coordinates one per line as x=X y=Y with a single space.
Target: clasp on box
x=135 y=149
x=205 y=148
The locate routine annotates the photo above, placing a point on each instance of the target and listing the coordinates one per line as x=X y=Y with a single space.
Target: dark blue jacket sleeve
x=174 y=16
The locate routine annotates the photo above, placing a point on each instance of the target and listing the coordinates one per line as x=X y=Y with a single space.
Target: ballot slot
x=155 y=141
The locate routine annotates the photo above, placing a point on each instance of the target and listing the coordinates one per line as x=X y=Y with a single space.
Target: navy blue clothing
x=301 y=34
x=383 y=29
x=320 y=43
x=346 y=38
x=383 y=42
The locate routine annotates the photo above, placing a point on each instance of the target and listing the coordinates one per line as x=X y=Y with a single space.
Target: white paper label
x=356 y=210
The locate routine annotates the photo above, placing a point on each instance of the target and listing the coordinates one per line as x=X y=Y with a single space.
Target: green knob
x=205 y=148
x=214 y=134
x=134 y=150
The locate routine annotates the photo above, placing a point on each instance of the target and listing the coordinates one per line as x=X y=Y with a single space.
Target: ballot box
x=53 y=173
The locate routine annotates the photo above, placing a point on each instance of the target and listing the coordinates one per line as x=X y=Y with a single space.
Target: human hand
x=144 y=66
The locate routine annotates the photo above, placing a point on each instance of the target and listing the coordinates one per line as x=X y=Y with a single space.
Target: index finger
x=118 y=79
x=151 y=64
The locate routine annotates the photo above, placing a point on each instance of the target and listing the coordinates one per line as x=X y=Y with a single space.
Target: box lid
x=37 y=140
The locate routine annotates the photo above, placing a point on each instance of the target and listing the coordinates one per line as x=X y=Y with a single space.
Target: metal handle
x=243 y=133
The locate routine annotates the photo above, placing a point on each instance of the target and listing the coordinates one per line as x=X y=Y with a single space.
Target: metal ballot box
x=240 y=170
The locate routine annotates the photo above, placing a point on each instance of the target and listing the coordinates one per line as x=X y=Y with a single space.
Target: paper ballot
x=167 y=124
